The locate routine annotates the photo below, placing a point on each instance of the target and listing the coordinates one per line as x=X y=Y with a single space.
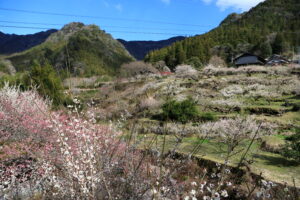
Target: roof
x=248 y=58
x=277 y=57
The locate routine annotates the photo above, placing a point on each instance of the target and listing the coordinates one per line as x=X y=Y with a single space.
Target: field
x=115 y=140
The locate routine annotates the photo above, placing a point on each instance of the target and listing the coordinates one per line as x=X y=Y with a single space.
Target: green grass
x=273 y=166
x=286 y=119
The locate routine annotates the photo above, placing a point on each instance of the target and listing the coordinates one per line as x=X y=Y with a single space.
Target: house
x=249 y=59
x=277 y=60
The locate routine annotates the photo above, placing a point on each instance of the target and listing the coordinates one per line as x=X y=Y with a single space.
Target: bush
x=183 y=111
x=292 y=148
x=296 y=107
x=186 y=71
x=195 y=62
x=217 y=61
x=137 y=68
x=49 y=84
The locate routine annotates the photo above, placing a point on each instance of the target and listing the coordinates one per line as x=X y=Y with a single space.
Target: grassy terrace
x=273 y=166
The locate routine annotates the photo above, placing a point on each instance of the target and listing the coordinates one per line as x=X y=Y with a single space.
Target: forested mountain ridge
x=78 y=49
x=273 y=26
x=139 y=49
x=11 y=43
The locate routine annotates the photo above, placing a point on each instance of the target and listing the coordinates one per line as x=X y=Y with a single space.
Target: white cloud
x=242 y=5
x=119 y=7
x=166 y=1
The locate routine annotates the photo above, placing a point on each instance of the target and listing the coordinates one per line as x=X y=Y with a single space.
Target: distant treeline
x=272 y=27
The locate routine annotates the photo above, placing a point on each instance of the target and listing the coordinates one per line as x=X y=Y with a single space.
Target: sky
x=125 y=19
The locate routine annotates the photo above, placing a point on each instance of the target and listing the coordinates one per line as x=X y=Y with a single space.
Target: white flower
x=186 y=198
x=206 y=198
x=217 y=194
x=229 y=184
x=193 y=192
x=193 y=183
x=224 y=193
x=194 y=198
x=154 y=191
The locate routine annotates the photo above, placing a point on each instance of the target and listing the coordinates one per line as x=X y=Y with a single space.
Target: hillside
x=12 y=43
x=261 y=94
x=139 y=49
x=273 y=26
x=84 y=50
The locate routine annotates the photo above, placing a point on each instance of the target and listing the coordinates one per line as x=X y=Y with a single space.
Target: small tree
x=217 y=61
x=292 y=148
x=137 y=68
x=49 y=84
x=186 y=71
x=265 y=49
x=183 y=111
x=195 y=62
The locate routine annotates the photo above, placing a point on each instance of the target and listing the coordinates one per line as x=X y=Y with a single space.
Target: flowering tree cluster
x=67 y=156
x=186 y=71
x=22 y=118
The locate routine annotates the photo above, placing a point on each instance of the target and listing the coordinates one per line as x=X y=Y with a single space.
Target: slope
x=139 y=49
x=78 y=49
x=11 y=43
x=273 y=26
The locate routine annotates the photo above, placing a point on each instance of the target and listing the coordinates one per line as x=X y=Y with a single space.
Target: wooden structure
x=277 y=60
x=249 y=59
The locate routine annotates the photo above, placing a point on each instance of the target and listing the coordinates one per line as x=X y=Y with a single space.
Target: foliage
x=292 y=148
x=22 y=117
x=296 y=107
x=76 y=49
x=183 y=111
x=207 y=116
x=194 y=62
x=48 y=83
x=137 y=68
x=240 y=33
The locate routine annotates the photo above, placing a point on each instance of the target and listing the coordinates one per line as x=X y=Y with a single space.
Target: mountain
x=273 y=26
x=11 y=43
x=77 y=48
x=139 y=49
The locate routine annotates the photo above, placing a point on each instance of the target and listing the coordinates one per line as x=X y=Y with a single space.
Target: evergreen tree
x=48 y=83
x=265 y=49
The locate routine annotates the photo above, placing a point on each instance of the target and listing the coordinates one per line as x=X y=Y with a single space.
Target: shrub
x=292 y=148
x=296 y=107
x=23 y=121
x=137 y=68
x=217 y=61
x=207 y=116
x=195 y=62
x=49 y=84
x=185 y=71
x=149 y=103
x=183 y=111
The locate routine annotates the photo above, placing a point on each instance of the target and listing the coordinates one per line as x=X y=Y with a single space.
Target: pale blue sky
x=126 y=19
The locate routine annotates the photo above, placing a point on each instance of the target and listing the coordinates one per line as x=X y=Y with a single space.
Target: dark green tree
x=292 y=148
x=279 y=44
x=48 y=82
x=265 y=49
x=179 y=54
x=183 y=111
